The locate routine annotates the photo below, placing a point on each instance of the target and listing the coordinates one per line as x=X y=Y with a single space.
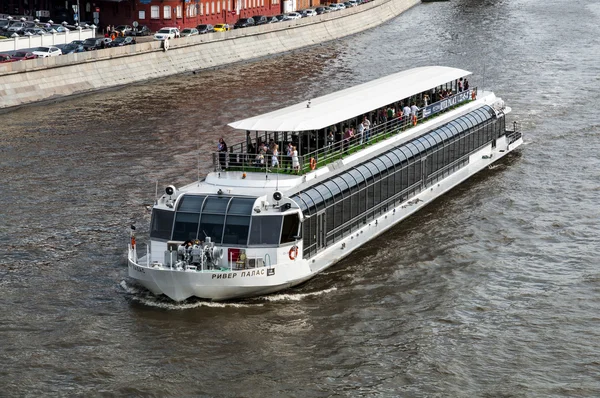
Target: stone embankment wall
x=45 y=78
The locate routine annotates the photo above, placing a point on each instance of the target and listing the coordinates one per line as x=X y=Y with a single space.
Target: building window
x=142 y=14
x=179 y=12
x=154 y=12
x=244 y=4
x=213 y=7
x=224 y=6
x=262 y=3
x=167 y=12
x=201 y=8
x=218 y=7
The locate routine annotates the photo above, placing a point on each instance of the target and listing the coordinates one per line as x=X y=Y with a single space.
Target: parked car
x=205 y=28
x=334 y=7
x=350 y=4
x=222 y=27
x=23 y=55
x=187 y=32
x=45 y=52
x=243 y=23
x=322 y=10
x=96 y=43
x=121 y=41
x=73 y=48
x=6 y=58
x=167 y=33
x=58 y=28
x=35 y=31
x=341 y=6
x=141 y=30
x=290 y=16
x=260 y=20
x=309 y=12
x=272 y=20
x=122 y=29
x=280 y=17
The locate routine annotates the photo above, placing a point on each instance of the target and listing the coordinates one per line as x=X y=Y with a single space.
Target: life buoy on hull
x=293 y=252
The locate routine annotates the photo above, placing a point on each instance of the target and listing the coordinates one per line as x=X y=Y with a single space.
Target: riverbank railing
x=238 y=159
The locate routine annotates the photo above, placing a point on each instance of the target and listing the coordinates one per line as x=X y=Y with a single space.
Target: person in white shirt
x=361 y=131
x=406 y=112
x=367 y=125
x=414 y=110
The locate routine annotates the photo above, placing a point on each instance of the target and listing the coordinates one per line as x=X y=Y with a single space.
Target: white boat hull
x=179 y=284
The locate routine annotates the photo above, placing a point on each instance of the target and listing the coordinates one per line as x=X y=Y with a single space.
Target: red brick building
x=182 y=13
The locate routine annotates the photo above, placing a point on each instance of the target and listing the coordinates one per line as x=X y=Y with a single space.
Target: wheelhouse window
x=265 y=230
x=289 y=231
x=162 y=224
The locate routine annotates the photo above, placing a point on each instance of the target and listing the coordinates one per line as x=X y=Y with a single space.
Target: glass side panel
x=309 y=202
x=236 y=230
x=333 y=188
x=191 y=203
x=291 y=222
x=325 y=192
x=211 y=225
x=360 y=180
x=241 y=206
x=186 y=226
x=300 y=203
x=162 y=223
x=265 y=230
x=215 y=205
x=364 y=170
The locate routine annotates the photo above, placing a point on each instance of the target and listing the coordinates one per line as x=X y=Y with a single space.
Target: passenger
x=414 y=110
x=295 y=162
x=222 y=149
x=360 y=133
x=288 y=152
x=460 y=85
x=259 y=160
x=330 y=141
x=466 y=84
x=274 y=157
x=425 y=100
x=406 y=112
x=367 y=124
x=390 y=113
x=241 y=261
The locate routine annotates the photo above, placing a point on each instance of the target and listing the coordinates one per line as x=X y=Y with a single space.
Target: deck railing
x=238 y=159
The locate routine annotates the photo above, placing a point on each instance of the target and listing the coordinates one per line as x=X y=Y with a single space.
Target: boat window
x=350 y=182
x=162 y=223
x=186 y=226
x=358 y=177
x=215 y=205
x=309 y=202
x=340 y=182
x=236 y=230
x=400 y=155
x=300 y=202
x=211 y=225
x=364 y=170
x=289 y=231
x=242 y=206
x=191 y=203
x=316 y=198
x=265 y=230
x=325 y=192
x=335 y=190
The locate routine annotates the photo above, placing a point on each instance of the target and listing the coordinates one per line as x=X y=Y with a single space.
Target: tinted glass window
x=162 y=223
x=291 y=222
x=215 y=205
x=186 y=226
x=211 y=225
x=236 y=230
x=265 y=230
x=241 y=206
x=191 y=203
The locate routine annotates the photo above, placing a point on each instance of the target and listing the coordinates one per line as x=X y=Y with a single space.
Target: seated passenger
x=241 y=261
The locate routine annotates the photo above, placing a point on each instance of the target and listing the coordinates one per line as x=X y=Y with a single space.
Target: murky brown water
x=491 y=291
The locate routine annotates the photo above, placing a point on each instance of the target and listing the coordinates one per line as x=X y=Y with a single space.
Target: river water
x=492 y=291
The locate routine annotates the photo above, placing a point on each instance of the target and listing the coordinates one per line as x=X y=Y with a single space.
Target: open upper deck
x=330 y=109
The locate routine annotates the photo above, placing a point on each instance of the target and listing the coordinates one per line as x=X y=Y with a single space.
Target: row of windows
x=225 y=220
x=213 y=7
x=343 y=202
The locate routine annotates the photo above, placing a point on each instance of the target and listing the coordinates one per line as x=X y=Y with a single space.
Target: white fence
x=18 y=43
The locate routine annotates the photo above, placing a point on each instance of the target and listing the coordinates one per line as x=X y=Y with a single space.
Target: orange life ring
x=132 y=242
x=473 y=95
x=414 y=120
x=293 y=252
x=313 y=163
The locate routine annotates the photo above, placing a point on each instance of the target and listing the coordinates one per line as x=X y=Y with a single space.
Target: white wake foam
x=296 y=296
x=144 y=297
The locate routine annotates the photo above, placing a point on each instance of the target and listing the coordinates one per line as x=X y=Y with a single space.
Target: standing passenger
x=367 y=125
x=274 y=157
x=295 y=162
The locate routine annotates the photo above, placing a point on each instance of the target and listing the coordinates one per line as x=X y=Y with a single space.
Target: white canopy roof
x=352 y=102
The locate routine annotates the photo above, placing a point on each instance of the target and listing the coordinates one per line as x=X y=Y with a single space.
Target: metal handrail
x=244 y=161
